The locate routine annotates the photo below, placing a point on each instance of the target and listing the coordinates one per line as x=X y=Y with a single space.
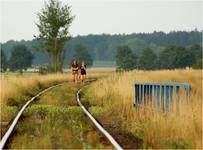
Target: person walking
x=82 y=71
x=74 y=69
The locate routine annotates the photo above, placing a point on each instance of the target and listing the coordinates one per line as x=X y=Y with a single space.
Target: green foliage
x=21 y=58
x=17 y=101
x=198 y=64
x=4 y=62
x=196 y=49
x=176 y=57
x=136 y=44
x=125 y=59
x=148 y=59
x=54 y=23
x=82 y=54
x=183 y=58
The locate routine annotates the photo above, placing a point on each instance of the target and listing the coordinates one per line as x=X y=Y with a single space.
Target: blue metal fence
x=160 y=95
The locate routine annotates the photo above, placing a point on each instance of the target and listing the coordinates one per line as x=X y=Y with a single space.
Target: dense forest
x=103 y=47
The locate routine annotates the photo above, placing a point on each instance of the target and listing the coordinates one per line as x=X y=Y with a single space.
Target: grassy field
x=111 y=101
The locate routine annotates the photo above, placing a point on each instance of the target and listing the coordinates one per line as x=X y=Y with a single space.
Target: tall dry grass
x=15 y=85
x=115 y=97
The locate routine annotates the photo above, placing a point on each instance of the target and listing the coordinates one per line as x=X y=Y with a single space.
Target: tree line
x=104 y=47
x=170 y=57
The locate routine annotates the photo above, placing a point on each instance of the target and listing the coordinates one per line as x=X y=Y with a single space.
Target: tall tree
x=167 y=57
x=176 y=57
x=4 y=62
x=21 y=58
x=148 y=59
x=54 y=22
x=198 y=64
x=82 y=54
x=197 y=50
x=183 y=58
x=125 y=58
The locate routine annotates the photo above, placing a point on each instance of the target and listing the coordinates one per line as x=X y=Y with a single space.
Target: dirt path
x=55 y=121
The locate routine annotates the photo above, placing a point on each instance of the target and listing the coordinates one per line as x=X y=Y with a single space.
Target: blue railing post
x=187 y=88
x=140 y=95
x=167 y=97
x=177 y=98
x=158 y=96
x=150 y=95
x=162 y=98
x=171 y=98
x=154 y=96
x=145 y=93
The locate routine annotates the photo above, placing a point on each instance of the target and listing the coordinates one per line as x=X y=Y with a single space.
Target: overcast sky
x=18 y=17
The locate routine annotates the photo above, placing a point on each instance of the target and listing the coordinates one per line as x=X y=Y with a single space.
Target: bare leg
x=73 y=78
x=76 y=78
x=82 y=78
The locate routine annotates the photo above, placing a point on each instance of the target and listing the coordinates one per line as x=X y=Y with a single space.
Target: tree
x=183 y=58
x=176 y=57
x=4 y=62
x=82 y=54
x=166 y=57
x=54 y=23
x=198 y=64
x=21 y=58
x=148 y=59
x=196 y=49
x=125 y=59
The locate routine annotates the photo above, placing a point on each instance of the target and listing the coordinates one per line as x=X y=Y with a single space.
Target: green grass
x=55 y=121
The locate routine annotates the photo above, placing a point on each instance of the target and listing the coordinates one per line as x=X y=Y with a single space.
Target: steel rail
x=99 y=127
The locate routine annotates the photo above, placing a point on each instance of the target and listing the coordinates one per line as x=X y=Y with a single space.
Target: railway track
x=93 y=120
x=16 y=119
x=99 y=127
